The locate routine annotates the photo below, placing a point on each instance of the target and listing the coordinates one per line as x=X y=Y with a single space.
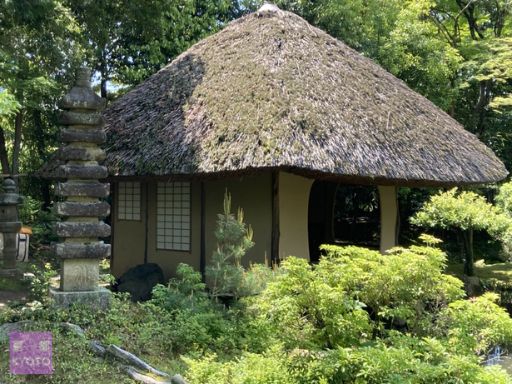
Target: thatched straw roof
x=270 y=91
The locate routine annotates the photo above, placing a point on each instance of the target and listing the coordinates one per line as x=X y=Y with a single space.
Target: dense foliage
x=359 y=316
x=465 y=212
x=356 y=317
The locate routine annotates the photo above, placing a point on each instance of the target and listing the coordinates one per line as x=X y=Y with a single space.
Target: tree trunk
x=484 y=97
x=468 y=252
x=4 y=159
x=39 y=133
x=468 y=10
x=103 y=86
x=18 y=130
x=104 y=75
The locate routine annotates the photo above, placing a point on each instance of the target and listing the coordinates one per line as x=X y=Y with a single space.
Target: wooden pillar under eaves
x=274 y=256
x=202 y=255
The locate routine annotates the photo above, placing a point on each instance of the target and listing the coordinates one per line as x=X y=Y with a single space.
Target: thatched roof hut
x=283 y=116
x=270 y=91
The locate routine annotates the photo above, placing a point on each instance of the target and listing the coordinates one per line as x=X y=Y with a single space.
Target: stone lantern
x=9 y=226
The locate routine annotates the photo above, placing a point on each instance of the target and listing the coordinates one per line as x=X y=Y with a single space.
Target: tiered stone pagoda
x=81 y=209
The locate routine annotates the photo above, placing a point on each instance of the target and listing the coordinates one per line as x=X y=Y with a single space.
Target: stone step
x=95 y=136
x=82 y=229
x=70 y=208
x=81 y=171
x=97 y=250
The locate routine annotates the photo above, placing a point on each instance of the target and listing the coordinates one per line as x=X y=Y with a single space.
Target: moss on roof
x=271 y=91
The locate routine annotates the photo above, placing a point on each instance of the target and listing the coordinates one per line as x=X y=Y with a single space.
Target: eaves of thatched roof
x=270 y=91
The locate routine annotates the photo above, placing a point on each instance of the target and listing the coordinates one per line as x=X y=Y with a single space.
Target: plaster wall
x=254 y=195
x=293 y=215
x=388 y=217
x=128 y=244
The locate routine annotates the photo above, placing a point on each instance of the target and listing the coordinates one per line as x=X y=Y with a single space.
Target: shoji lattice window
x=128 y=201
x=173 y=216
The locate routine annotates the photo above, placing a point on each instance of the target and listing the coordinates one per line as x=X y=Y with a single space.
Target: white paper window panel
x=173 y=216
x=128 y=207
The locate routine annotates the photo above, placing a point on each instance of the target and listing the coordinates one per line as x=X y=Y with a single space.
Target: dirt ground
x=7 y=297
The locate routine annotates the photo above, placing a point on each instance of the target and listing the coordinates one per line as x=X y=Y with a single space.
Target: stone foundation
x=97 y=299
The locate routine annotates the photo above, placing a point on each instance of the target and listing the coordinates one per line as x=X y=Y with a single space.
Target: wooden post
x=202 y=255
x=274 y=257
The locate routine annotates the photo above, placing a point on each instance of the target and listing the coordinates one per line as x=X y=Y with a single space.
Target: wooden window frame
x=174 y=216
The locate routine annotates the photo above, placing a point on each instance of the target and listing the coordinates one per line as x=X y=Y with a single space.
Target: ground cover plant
x=356 y=317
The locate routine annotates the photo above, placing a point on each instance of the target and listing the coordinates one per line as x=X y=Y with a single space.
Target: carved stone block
x=98 y=299
x=69 y=208
x=81 y=171
x=95 y=136
x=80 y=118
x=83 y=189
x=82 y=154
x=81 y=98
x=96 y=251
x=80 y=229
x=79 y=274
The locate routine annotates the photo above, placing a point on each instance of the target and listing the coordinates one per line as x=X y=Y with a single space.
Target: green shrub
x=476 y=325
x=362 y=317
x=502 y=288
x=353 y=292
x=406 y=285
x=315 y=313
x=269 y=368
x=356 y=317
x=40 y=283
x=185 y=291
x=401 y=360
x=504 y=198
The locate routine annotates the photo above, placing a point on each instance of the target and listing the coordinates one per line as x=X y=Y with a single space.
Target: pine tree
x=225 y=274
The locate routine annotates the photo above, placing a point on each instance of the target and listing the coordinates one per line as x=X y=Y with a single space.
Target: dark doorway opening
x=343 y=215
x=320 y=217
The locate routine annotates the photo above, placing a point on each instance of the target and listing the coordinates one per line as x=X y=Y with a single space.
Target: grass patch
x=72 y=361
x=498 y=271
